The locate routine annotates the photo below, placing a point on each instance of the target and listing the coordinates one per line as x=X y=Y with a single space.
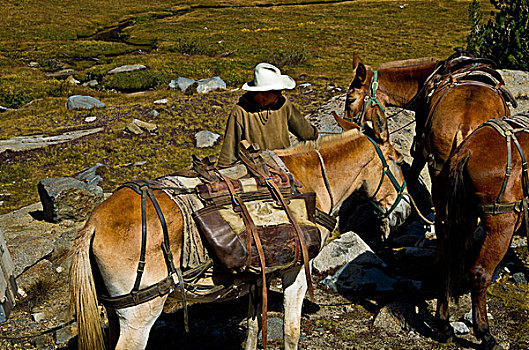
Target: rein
x=386 y=171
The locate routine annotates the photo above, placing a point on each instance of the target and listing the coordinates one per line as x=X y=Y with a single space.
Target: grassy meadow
x=313 y=41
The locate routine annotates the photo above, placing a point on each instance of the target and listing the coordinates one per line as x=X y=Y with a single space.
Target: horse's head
x=387 y=191
x=364 y=102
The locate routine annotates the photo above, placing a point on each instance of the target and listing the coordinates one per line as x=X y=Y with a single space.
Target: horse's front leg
x=254 y=321
x=294 y=289
x=417 y=165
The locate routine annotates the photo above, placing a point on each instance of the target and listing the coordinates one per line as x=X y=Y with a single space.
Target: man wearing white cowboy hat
x=264 y=116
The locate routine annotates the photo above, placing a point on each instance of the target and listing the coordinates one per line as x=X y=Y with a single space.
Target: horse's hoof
x=446 y=336
x=489 y=343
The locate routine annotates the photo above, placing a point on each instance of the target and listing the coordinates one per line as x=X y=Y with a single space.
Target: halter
x=386 y=171
x=370 y=100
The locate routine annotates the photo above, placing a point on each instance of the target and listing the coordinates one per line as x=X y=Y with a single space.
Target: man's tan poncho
x=268 y=127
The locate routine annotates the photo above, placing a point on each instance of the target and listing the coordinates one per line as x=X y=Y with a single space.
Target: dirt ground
x=332 y=321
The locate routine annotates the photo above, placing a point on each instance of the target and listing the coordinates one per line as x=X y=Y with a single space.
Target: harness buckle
x=135 y=297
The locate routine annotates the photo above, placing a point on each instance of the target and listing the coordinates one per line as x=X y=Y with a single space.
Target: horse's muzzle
x=401 y=212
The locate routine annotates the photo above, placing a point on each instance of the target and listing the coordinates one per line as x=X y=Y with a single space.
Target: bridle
x=386 y=171
x=370 y=100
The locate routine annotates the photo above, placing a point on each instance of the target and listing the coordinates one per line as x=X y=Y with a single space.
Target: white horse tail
x=83 y=298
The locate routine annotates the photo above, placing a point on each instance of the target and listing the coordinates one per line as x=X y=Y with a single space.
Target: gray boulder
x=77 y=102
x=210 y=84
x=27 y=251
x=127 y=68
x=89 y=175
x=349 y=247
x=181 y=84
x=62 y=74
x=356 y=278
x=206 y=139
x=68 y=198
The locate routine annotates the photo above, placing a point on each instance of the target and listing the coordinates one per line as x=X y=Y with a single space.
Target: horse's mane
x=306 y=146
x=408 y=63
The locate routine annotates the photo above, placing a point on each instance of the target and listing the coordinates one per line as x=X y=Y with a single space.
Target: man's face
x=267 y=98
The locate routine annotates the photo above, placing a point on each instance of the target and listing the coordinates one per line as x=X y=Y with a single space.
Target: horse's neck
x=401 y=85
x=343 y=170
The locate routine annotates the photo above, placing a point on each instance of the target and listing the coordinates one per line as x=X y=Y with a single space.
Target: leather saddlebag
x=226 y=235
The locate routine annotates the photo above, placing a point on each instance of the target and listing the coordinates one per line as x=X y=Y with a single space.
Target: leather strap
x=276 y=193
x=137 y=295
x=237 y=201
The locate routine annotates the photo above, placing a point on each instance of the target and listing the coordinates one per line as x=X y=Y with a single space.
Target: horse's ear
x=359 y=72
x=380 y=126
x=345 y=124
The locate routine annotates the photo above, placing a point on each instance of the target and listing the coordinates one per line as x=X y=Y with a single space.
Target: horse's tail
x=456 y=240
x=83 y=298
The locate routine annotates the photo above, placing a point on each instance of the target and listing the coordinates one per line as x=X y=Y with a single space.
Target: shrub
x=133 y=81
x=505 y=37
x=192 y=46
x=288 y=55
x=13 y=97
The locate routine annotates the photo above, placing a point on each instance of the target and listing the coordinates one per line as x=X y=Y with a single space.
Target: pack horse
x=451 y=98
x=115 y=260
x=483 y=199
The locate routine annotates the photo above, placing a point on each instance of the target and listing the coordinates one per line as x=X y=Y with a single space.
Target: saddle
x=462 y=67
x=261 y=214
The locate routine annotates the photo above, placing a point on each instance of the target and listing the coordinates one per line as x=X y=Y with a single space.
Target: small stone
x=90 y=119
x=64 y=335
x=72 y=80
x=33 y=64
x=91 y=83
x=134 y=129
x=59 y=269
x=149 y=127
x=163 y=101
x=154 y=113
x=38 y=317
x=460 y=328
x=519 y=278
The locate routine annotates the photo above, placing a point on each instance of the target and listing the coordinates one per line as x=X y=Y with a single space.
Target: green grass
x=313 y=41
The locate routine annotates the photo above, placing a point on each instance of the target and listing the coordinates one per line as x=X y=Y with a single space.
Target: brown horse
x=482 y=187
x=108 y=245
x=450 y=98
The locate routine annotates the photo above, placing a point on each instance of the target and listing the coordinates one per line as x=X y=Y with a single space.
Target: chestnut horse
x=483 y=186
x=450 y=98
x=109 y=244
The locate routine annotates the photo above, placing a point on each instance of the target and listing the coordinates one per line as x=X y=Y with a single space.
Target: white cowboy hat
x=267 y=78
